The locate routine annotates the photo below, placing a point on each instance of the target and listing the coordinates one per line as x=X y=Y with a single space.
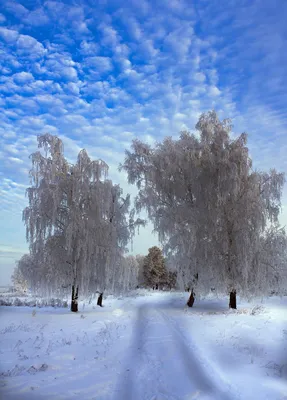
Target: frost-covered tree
x=171 y=279
x=30 y=269
x=18 y=278
x=206 y=203
x=140 y=260
x=271 y=259
x=155 y=272
x=132 y=267
x=79 y=214
x=47 y=268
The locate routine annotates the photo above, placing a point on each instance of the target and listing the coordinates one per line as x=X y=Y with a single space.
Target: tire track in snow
x=142 y=374
x=208 y=380
x=163 y=365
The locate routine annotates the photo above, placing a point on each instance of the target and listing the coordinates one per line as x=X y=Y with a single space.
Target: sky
x=101 y=73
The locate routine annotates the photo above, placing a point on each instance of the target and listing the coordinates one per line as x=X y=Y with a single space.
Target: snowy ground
x=147 y=347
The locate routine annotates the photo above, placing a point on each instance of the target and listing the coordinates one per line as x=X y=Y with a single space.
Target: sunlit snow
x=148 y=346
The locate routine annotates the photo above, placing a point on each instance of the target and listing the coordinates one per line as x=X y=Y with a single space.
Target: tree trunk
x=74 y=302
x=100 y=299
x=191 y=299
x=232 y=299
x=156 y=286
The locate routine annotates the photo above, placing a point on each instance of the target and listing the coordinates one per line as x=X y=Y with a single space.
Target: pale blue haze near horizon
x=99 y=74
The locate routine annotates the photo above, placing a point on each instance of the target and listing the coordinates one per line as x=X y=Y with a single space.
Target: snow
x=149 y=346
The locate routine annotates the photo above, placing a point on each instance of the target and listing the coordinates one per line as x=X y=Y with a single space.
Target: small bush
x=33 y=302
x=257 y=310
x=18 y=302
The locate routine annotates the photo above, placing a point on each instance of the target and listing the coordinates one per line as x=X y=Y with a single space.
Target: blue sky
x=100 y=73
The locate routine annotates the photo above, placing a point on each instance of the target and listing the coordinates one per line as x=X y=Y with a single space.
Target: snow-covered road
x=147 y=348
x=165 y=364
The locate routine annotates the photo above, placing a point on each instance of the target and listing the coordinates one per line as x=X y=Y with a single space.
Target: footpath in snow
x=149 y=347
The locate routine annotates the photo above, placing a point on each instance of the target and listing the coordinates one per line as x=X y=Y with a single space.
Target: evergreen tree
x=154 y=268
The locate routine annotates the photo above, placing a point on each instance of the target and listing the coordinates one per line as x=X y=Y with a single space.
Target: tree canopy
x=77 y=222
x=208 y=206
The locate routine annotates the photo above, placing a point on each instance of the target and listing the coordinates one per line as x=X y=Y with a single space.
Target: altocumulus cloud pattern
x=99 y=74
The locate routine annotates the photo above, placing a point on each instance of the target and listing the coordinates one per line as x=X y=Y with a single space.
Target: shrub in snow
x=257 y=310
x=43 y=367
x=17 y=370
x=17 y=302
x=5 y=302
x=34 y=302
x=276 y=369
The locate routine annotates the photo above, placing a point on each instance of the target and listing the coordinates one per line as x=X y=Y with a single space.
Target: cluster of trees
x=216 y=217
x=78 y=225
x=47 y=280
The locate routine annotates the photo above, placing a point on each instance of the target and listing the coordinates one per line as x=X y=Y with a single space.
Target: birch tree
x=81 y=210
x=271 y=258
x=30 y=271
x=207 y=204
x=19 y=280
x=140 y=260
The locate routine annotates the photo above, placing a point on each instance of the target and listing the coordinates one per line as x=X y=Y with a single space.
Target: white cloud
x=16 y=160
x=29 y=105
x=17 y=9
x=83 y=28
x=36 y=17
x=32 y=122
x=179 y=41
x=147 y=48
x=9 y=35
x=69 y=72
x=200 y=77
x=29 y=45
x=214 y=91
x=110 y=35
x=55 y=8
x=89 y=48
x=59 y=65
x=134 y=28
x=73 y=88
x=102 y=64
x=76 y=119
x=23 y=77
x=75 y=13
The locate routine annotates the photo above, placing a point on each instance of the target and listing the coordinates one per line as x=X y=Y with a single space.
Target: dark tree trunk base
x=100 y=300
x=190 y=300
x=232 y=299
x=74 y=301
x=156 y=286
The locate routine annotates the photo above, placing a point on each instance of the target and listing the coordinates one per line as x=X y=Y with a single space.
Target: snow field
x=150 y=346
